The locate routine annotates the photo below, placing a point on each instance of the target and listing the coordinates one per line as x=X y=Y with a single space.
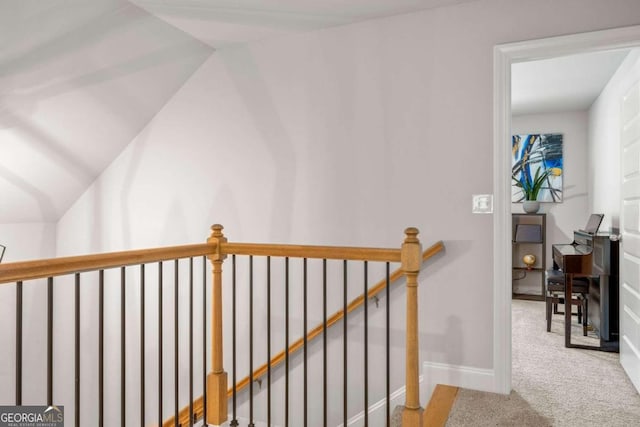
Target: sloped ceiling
x=80 y=79
x=223 y=22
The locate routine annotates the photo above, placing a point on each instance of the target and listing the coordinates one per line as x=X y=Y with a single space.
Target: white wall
x=573 y=212
x=24 y=241
x=604 y=143
x=343 y=136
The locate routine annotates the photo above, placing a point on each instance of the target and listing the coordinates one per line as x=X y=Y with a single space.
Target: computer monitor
x=593 y=223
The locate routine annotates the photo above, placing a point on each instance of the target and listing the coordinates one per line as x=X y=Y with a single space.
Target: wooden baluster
x=411 y=256
x=217 y=378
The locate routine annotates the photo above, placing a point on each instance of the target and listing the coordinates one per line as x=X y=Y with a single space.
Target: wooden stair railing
x=183 y=417
x=40 y=269
x=27 y=271
x=217 y=249
x=333 y=319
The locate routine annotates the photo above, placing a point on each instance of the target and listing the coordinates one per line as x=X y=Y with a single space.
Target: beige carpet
x=552 y=385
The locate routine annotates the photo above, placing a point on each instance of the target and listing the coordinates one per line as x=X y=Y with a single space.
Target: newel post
x=411 y=257
x=217 y=378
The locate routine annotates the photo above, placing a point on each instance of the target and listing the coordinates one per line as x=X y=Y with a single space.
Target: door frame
x=503 y=56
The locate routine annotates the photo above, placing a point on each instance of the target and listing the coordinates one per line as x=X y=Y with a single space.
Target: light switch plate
x=482 y=203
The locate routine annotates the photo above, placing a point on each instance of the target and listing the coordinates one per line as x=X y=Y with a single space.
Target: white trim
x=502 y=221
x=504 y=56
x=395 y=399
x=595 y=41
x=459 y=376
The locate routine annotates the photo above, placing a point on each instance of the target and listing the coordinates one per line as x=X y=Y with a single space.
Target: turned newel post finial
x=216 y=230
x=218 y=238
x=412 y=235
x=411 y=251
x=411 y=258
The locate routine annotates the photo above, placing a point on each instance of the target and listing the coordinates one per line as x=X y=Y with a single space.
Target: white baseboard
x=432 y=375
x=377 y=410
x=459 y=376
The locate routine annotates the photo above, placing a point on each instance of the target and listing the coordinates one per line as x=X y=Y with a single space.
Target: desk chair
x=555 y=295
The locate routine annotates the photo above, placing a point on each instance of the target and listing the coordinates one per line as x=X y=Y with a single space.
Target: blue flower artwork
x=537 y=167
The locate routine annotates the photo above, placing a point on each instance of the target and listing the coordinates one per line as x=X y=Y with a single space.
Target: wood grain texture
x=440 y=405
x=28 y=270
x=411 y=262
x=37 y=269
x=318 y=252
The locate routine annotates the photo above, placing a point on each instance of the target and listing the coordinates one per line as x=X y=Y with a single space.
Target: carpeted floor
x=552 y=385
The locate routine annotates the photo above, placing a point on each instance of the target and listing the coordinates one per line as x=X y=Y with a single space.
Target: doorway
x=504 y=57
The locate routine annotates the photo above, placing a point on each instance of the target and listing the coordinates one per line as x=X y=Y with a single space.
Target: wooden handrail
x=38 y=269
x=319 y=252
x=183 y=416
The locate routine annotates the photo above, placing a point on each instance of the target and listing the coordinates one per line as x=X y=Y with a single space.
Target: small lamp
x=529 y=260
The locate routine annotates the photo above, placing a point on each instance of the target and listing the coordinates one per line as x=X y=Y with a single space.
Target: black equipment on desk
x=595 y=255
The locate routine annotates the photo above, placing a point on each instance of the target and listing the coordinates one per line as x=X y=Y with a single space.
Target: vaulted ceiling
x=80 y=79
x=222 y=22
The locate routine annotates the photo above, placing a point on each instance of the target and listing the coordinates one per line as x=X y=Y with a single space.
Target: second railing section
x=315 y=337
x=308 y=337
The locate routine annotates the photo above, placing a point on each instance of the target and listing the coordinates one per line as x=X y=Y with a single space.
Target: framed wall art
x=537 y=167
